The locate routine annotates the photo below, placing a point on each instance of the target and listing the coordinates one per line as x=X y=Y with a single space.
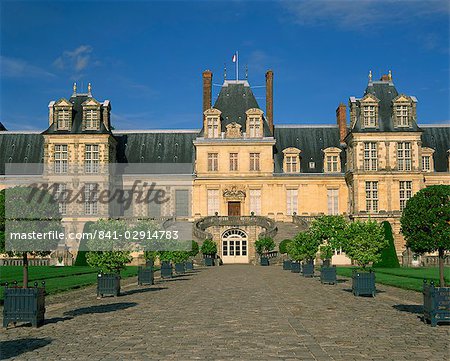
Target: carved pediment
x=234 y=192
x=233 y=130
x=369 y=98
x=402 y=98
x=291 y=150
x=63 y=103
x=91 y=102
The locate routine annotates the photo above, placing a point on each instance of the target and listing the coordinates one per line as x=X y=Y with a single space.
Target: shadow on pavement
x=409 y=308
x=56 y=320
x=142 y=290
x=100 y=308
x=351 y=291
x=14 y=348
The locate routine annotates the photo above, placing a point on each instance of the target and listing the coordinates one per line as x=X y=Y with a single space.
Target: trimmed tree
x=264 y=245
x=389 y=257
x=425 y=223
x=150 y=246
x=303 y=247
x=195 y=249
x=283 y=246
x=329 y=231
x=365 y=241
x=107 y=254
x=29 y=210
x=208 y=248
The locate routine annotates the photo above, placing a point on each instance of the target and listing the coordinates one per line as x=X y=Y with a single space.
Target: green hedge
x=389 y=257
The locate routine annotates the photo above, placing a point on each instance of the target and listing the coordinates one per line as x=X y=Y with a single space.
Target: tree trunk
x=441 y=267
x=25 y=270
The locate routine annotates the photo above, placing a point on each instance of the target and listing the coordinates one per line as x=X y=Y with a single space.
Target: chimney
x=50 y=112
x=269 y=99
x=207 y=89
x=341 y=119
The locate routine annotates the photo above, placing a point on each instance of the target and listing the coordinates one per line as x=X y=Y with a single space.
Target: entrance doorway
x=234 y=208
x=234 y=246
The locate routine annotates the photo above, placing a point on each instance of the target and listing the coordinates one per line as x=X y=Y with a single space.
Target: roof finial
x=370 y=76
x=246 y=71
x=224 y=71
x=89 y=89
x=390 y=75
x=74 y=88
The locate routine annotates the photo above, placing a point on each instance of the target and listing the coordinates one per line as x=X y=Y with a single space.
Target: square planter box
x=287 y=264
x=264 y=261
x=363 y=283
x=189 y=265
x=166 y=270
x=328 y=275
x=108 y=285
x=209 y=261
x=436 y=303
x=308 y=269
x=295 y=267
x=145 y=276
x=24 y=305
x=179 y=268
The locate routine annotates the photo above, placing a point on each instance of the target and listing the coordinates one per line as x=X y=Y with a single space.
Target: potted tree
x=179 y=258
x=308 y=247
x=28 y=209
x=425 y=225
x=193 y=252
x=365 y=241
x=262 y=246
x=146 y=273
x=108 y=255
x=166 y=258
x=209 y=250
x=283 y=250
x=330 y=233
x=295 y=253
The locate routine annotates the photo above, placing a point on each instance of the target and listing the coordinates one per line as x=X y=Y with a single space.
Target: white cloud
x=75 y=60
x=18 y=68
x=351 y=14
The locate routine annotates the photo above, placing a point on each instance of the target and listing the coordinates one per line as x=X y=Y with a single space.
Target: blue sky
x=147 y=56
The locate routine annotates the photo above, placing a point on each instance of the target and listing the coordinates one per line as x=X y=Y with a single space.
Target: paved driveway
x=231 y=312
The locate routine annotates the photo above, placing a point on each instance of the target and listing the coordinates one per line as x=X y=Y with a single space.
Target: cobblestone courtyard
x=231 y=312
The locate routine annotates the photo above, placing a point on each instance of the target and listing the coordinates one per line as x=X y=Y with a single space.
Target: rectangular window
x=255 y=201
x=61 y=158
x=92 y=119
x=426 y=163
x=213 y=201
x=372 y=196
x=61 y=195
x=91 y=158
x=213 y=127
x=233 y=162
x=405 y=193
x=333 y=201
x=91 y=198
x=291 y=164
x=254 y=127
x=63 y=119
x=182 y=204
x=292 y=201
x=213 y=162
x=402 y=115
x=254 y=162
x=369 y=116
x=332 y=163
x=404 y=156
x=370 y=156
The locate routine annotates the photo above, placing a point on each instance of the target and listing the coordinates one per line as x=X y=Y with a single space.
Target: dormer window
x=92 y=119
x=427 y=159
x=254 y=123
x=291 y=162
x=369 y=115
x=212 y=123
x=404 y=110
x=332 y=161
x=63 y=118
x=401 y=112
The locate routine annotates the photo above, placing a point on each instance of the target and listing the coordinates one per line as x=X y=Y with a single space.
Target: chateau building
x=242 y=175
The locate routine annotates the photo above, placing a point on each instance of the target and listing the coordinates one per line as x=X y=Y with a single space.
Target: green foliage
x=81 y=255
x=326 y=251
x=264 y=245
x=107 y=254
x=365 y=241
x=208 y=248
x=303 y=247
x=180 y=256
x=283 y=246
x=195 y=249
x=329 y=230
x=150 y=246
x=389 y=257
x=426 y=220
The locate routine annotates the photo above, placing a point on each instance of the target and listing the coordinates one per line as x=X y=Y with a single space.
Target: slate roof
x=20 y=147
x=438 y=138
x=77 y=119
x=385 y=91
x=311 y=141
x=234 y=99
x=2 y=127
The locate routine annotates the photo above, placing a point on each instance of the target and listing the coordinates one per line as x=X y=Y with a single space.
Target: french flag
x=234 y=57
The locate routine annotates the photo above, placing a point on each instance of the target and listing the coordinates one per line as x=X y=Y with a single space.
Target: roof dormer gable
x=63 y=102
x=369 y=98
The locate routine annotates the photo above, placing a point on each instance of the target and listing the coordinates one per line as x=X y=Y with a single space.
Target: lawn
x=404 y=277
x=57 y=279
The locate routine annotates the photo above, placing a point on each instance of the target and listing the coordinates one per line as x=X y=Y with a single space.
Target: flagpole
x=237 y=66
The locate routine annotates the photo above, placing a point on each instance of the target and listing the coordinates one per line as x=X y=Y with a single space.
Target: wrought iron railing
x=201 y=225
